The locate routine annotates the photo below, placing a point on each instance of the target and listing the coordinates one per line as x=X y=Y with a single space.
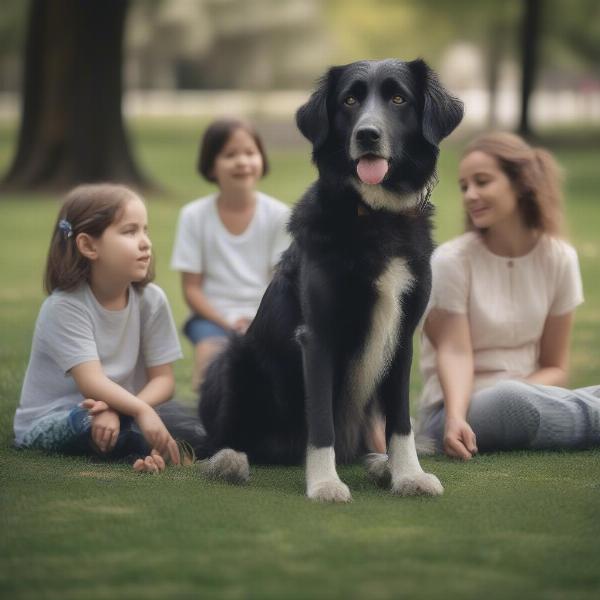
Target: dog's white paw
x=333 y=490
x=229 y=465
x=421 y=484
x=378 y=468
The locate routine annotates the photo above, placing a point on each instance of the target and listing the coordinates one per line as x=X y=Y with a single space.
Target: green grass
x=520 y=524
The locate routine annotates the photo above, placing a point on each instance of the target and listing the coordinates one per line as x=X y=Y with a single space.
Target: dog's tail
x=185 y=427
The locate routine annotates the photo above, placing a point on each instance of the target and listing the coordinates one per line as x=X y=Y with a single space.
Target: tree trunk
x=72 y=128
x=494 y=56
x=529 y=47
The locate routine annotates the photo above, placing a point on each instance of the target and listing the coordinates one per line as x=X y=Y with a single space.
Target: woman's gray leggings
x=515 y=415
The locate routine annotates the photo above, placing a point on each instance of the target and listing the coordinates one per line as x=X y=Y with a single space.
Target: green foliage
x=570 y=32
x=509 y=525
x=573 y=32
x=12 y=26
x=413 y=28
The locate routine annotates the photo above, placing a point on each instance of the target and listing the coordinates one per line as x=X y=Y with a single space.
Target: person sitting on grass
x=495 y=344
x=228 y=243
x=104 y=339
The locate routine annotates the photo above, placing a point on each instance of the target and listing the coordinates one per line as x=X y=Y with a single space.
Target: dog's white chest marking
x=382 y=338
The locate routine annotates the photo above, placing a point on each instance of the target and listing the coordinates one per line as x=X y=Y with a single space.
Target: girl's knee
x=208 y=347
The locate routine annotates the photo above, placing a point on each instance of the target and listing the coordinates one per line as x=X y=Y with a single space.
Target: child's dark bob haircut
x=214 y=139
x=87 y=209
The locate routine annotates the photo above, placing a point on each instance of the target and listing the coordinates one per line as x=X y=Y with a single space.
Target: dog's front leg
x=322 y=481
x=407 y=476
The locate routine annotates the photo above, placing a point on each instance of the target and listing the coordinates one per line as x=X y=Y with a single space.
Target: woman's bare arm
x=450 y=334
x=554 y=352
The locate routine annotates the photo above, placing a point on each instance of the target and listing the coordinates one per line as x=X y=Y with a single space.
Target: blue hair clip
x=65 y=227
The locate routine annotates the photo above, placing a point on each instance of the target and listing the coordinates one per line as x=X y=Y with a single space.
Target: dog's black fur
x=315 y=360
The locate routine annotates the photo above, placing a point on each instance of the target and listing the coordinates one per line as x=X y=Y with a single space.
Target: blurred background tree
x=12 y=22
x=490 y=53
x=72 y=127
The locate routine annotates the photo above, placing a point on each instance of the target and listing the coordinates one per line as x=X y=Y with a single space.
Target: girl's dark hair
x=87 y=209
x=534 y=175
x=214 y=139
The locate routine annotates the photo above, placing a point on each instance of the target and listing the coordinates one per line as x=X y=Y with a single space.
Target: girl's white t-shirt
x=73 y=328
x=506 y=300
x=236 y=269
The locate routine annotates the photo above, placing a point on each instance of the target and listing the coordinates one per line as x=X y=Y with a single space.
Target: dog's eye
x=350 y=101
x=398 y=99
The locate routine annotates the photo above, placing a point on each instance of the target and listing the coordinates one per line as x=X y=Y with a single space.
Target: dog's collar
x=361 y=210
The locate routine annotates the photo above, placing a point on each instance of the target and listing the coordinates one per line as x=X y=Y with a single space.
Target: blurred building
x=225 y=44
x=260 y=57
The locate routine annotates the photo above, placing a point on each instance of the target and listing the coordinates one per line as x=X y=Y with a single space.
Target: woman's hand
x=459 y=439
x=105 y=429
x=156 y=434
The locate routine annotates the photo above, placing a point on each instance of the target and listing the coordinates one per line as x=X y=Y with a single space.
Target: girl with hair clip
x=104 y=339
x=495 y=343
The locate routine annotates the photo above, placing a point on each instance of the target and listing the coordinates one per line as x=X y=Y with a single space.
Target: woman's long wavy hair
x=534 y=175
x=88 y=209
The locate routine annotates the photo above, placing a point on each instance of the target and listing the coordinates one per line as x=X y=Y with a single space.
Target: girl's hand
x=105 y=429
x=95 y=407
x=459 y=439
x=151 y=464
x=156 y=434
x=241 y=325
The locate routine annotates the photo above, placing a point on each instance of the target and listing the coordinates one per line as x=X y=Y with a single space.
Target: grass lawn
x=508 y=525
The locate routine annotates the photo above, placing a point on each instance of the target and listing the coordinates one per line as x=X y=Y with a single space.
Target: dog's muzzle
x=368 y=137
x=369 y=152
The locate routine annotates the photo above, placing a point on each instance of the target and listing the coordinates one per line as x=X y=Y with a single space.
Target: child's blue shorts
x=197 y=329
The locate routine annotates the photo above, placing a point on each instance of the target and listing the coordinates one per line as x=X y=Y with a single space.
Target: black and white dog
x=332 y=338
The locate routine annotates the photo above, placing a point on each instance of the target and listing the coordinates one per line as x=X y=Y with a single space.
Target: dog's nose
x=368 y=134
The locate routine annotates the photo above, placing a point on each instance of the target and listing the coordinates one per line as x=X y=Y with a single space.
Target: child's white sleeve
x=160 y=343
x=67 y=334
x=187 y=250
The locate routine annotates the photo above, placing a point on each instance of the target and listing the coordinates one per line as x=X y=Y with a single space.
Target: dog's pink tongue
x=372 y=170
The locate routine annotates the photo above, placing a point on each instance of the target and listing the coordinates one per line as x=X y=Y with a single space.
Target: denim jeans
x=70 y=432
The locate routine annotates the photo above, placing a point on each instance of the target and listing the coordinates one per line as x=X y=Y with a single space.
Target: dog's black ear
x=312 y=118
x=442 y=112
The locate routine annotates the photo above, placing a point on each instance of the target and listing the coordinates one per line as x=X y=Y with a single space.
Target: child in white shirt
x=228 y=243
